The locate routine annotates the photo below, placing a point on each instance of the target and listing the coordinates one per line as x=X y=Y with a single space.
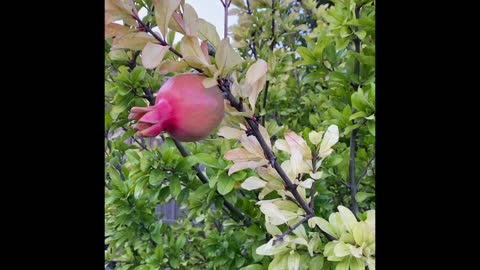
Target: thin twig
x=272 y=45
x=226 y=5
x=291 y=229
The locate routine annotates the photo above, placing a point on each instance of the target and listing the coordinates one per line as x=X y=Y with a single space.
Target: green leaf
x=343 y=265
x=225 y=185
x=163 y=194
x=365 y=59
x=159 y=252
x=307 y=56
x=316 y=263
x=279 y=262
x=357 y=264
x=360 y=102
x=139 y=187
x=175 y=262
x=175 y=187
x=294 y=261
x=156 y=234
x=138 y=73
x=357 y=115
x=156 y=177
x=205 y=159
x=132 y=156
x=361 y=196
x=180 y=242
x=351 y=128
x=371 y=127
x=324 y=225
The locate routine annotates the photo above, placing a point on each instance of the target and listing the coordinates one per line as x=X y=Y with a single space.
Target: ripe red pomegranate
x=183 y=108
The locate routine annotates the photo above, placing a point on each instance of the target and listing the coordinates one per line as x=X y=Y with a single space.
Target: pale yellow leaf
x=272 y=229
x=252 y=145
x=118 y=10
x=152 y=55
x=207 y=31
x=115 y=30
x=190 y=18
x=239 y=154
x=209 y=82
x=176 y=23
x=163 y=13
x=330 y=138
x=253 y=183
x=256 y=71
x=256 y=78
x=282 y=145
x=315 y=137
x=265 y=135
x=230 y=133
x=238 y=166
x=294 y=261
x=171 y=66
x=301 y=155
x=348 y=218
x=134 y=41
x=271 y=210
x=316 y=175
x=226 y=57
x=204 y=49
x=307 y=183
x=270 y=249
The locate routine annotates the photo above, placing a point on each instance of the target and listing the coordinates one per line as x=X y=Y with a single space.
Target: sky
x=210 y=10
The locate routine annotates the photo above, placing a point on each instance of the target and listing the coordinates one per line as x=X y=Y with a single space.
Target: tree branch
x=156 y=36
x=226 y=5
x=353 y=136
x=268 y=152
x=272 y=45
x=291 y=229
x=204 y=179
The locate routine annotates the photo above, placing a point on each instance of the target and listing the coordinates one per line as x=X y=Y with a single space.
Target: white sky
x=210 y=10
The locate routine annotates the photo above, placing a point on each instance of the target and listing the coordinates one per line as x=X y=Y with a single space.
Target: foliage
x=297 y=145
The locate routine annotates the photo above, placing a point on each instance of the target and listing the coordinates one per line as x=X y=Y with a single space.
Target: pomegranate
x=183 y=108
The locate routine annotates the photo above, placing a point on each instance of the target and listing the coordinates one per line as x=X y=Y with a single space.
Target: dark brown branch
x=353 y=136
x=144 y=147
x=268 y=152
x=272 y=45
x=249 y=11
x=291 y=229
x=156 y=36
x=204 y=180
